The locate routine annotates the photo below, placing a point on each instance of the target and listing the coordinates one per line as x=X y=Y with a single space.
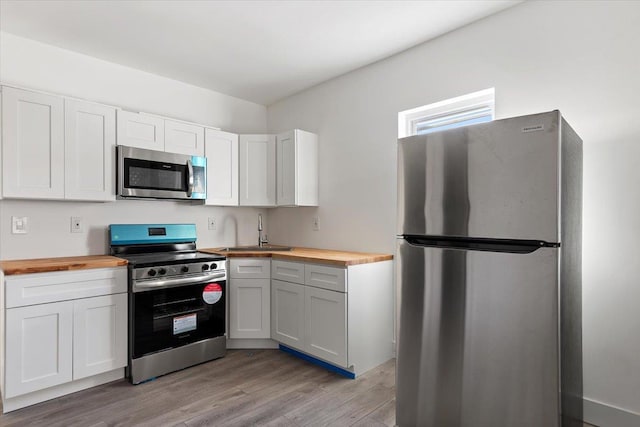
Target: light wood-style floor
x=245 y=388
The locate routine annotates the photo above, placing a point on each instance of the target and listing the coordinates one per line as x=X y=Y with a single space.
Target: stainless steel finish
x=260 y=230
x=491 y=338
x=174 y=270
x=190 y=178
x=496 y=180
x=153 y=365
x=571 y=277
x=265 y=248
x=154 y=284
x=151 y=155
x=478 y=338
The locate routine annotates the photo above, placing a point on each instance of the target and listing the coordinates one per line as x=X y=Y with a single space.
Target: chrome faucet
x=259 y=230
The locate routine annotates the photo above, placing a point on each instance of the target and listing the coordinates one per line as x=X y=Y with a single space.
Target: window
x=477 y=107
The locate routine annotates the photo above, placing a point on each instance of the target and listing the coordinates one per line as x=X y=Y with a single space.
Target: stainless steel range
x=177 y=307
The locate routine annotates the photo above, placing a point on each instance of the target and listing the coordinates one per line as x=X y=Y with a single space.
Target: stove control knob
x=152 y=272
x=162 y=271
x=184 y=269
x=214 y=266
x=205 y=267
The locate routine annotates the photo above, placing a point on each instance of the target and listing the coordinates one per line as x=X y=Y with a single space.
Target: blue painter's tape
x=137 y=234
x=318 y=362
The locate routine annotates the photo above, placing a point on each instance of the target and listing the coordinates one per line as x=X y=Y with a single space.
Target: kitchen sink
x=265 y=248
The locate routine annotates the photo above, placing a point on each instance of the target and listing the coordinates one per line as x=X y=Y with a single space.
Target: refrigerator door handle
x=479 y=243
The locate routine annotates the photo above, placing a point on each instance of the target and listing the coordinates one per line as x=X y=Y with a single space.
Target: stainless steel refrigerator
x=489 y=273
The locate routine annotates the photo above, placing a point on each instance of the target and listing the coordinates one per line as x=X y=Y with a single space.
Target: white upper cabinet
x=297 y=168
x=32 y=145
x=221 y=150
x=90 y=139
x=257 y=170
x=183 y=138
x=140 y=130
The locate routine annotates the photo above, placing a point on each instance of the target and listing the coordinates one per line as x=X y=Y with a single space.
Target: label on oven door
x=182 y=324
x=212 y=293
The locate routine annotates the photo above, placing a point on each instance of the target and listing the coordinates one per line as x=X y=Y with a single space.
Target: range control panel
x=178 y=270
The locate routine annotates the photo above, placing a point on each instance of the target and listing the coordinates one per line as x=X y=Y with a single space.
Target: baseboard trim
x=603 y=415
x=238 y=344
x=32 y=398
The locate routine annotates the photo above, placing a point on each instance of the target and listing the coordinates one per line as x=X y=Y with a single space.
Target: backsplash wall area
x=50 y=225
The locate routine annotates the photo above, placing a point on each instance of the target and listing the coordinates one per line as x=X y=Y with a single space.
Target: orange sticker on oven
x=212 y=293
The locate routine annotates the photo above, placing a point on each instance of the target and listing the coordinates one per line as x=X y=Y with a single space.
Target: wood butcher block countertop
x=44 y=265
x=324 y=256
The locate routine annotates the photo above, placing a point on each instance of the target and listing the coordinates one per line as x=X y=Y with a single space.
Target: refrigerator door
x=494 y=180
x=478 y=338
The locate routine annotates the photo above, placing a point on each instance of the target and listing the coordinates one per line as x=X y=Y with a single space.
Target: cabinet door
x=297 y=168
x=250 y=307
x=32 y=145
x=183 y=138
x=257 y=170
x=221 y=149
x=90 y=140
x=326 y=325
x=287 y=313
x=38 y=347
x=286 y=169
x=99 y=335
x=140 y=130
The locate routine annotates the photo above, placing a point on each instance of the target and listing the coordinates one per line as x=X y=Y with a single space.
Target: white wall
x=581 y=57
x=43 y=67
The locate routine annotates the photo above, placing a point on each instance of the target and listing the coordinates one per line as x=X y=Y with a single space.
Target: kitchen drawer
x=288 y=271
x=250 y=268
x=38 y=288
x=331 y=278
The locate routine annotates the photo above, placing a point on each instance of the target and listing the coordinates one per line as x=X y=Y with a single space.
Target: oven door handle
x=140 y=286
x=189 y=178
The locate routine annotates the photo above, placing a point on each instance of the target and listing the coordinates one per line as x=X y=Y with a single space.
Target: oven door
x=172 y=317
x=156 y=174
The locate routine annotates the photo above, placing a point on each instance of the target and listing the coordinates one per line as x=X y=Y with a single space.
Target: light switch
x=19 y=224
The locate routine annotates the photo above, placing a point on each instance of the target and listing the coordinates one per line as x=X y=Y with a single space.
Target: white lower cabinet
x=68 y=340
x=250 y=306
x=287 y=313
x=39 y=344
x=249 y=298
x=325 y=324
x=99 y=334
x=343 y=316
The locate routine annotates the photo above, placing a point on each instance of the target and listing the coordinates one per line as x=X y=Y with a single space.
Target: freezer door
x=478 y=338
x=496 y=180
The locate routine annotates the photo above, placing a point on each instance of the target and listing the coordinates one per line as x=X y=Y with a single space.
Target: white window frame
x=476 y=104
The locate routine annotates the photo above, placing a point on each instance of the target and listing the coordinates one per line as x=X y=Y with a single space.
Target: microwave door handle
x=189 y=178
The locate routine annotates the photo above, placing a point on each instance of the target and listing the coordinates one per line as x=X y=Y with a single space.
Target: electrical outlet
x=19 y=224
x=316 y=223
x=76 y=224
x=212 y=223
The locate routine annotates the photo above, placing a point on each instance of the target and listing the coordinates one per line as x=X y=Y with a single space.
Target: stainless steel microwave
x=150 y=174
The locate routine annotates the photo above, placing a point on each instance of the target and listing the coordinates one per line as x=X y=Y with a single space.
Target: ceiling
x=261 y=51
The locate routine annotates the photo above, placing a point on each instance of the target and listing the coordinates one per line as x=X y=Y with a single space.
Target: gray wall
x=581 y=57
